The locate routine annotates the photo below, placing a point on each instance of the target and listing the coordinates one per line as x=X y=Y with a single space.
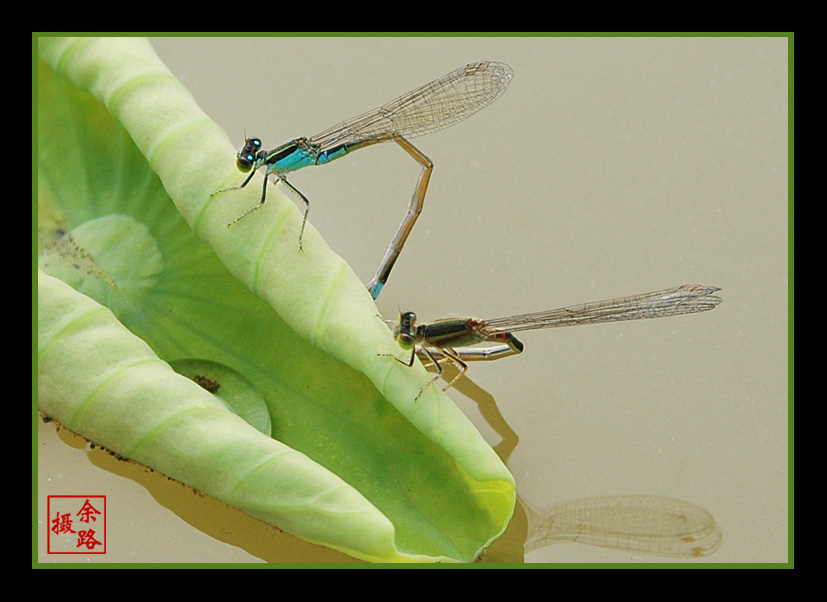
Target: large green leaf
x=311 y=427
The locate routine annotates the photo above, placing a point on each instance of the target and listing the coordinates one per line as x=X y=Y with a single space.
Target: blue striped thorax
x=288 y=157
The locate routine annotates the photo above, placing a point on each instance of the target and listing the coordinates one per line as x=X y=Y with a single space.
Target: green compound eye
x=245 y=163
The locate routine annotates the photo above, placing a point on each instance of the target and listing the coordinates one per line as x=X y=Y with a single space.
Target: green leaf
x=139 y=272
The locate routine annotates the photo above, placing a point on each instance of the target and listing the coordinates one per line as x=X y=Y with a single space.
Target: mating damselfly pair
x=429 y=108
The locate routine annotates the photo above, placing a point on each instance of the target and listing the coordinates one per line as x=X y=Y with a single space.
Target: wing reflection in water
x=645 y=524
x=642 y=524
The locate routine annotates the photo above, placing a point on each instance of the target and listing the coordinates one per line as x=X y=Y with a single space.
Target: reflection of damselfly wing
x=654 y=525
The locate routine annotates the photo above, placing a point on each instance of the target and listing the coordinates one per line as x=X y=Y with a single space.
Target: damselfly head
x=248 y=155
x=404 y=332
